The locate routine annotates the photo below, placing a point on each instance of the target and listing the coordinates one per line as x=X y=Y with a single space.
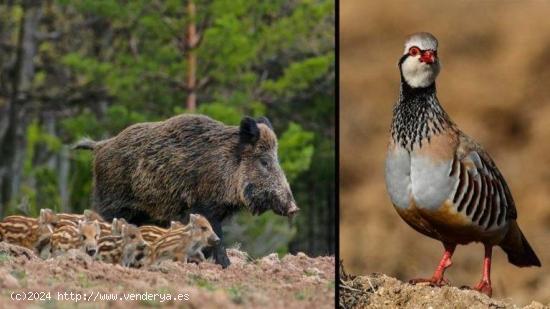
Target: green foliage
x=296 y=150
x=35 y=136
x=222 y=112
x=260 y=235
x=81 y=181
x=81 y=125
x=299 y=76
x=40 y=187
x=119 y=117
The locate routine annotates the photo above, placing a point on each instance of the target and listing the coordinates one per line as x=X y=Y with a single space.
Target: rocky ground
x=294 y=281
x=380 y=291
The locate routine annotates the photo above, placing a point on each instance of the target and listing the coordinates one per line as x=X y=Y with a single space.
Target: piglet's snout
x=213 y=240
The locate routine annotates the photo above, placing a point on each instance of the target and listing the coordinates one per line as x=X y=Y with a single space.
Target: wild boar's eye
x=204 y=228
x=264 y=162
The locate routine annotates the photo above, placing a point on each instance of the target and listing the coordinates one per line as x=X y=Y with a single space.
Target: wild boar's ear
x=265 y=121
x=248 y=131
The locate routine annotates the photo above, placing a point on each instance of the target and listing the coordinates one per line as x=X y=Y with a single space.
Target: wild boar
x=152 y=173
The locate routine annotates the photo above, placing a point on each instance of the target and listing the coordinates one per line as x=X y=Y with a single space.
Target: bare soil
x=294 y=281
x=380 y=291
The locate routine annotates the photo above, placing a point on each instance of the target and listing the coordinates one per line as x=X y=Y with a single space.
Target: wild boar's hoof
x=222 y=258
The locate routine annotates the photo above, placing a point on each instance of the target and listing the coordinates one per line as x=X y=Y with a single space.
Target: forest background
x=90 y=68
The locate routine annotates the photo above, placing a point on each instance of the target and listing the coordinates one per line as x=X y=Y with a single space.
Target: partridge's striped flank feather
x=481 y=193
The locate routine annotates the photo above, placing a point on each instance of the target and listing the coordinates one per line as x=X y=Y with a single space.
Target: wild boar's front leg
x=218 y=251
x=215 y=215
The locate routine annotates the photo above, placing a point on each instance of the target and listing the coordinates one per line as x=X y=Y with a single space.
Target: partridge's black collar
x=417 y=116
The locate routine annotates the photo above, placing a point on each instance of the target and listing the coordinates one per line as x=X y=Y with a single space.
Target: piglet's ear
x=265 y=121
x=248 y=131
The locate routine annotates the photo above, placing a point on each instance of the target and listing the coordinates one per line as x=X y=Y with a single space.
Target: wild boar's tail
x=86 y=143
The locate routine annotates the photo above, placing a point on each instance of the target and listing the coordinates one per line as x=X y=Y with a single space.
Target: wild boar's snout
x=292 y=210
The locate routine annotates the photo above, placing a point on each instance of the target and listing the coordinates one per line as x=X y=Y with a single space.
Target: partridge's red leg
x=484 y=286
x=437 y=279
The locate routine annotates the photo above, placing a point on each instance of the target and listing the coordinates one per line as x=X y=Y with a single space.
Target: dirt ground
x=494 y=83
x=294 y=281
x=380 y=291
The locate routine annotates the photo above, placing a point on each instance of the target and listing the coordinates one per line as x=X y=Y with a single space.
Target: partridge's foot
x=434 y=281
x=484 y=286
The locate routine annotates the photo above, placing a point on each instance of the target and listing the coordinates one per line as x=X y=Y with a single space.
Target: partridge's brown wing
x=482 y=193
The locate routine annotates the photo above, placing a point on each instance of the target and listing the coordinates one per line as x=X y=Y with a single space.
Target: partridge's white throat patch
x=419 y=74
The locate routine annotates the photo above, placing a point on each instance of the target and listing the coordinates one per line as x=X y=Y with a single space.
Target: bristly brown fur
x=151 y=172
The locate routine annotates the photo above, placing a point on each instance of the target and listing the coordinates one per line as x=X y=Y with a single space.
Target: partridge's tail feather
x=518 y=249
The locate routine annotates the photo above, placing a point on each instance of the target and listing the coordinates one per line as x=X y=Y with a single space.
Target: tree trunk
x=63 y=176
x=191 y=42
x=12 y=147
x=331 y=218
x=311 y=217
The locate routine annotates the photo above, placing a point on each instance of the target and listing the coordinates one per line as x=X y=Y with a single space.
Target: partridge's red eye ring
x=413 y=51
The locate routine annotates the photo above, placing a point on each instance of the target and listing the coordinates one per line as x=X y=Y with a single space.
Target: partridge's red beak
x=427 y=57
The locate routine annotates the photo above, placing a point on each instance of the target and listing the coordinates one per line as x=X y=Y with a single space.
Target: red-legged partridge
x=440 y=181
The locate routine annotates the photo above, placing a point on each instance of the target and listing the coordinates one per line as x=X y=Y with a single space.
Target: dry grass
x=380 y=291
x=495 y=83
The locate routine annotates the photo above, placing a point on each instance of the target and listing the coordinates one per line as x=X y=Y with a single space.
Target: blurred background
x=494 y=83
x=70 y=69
